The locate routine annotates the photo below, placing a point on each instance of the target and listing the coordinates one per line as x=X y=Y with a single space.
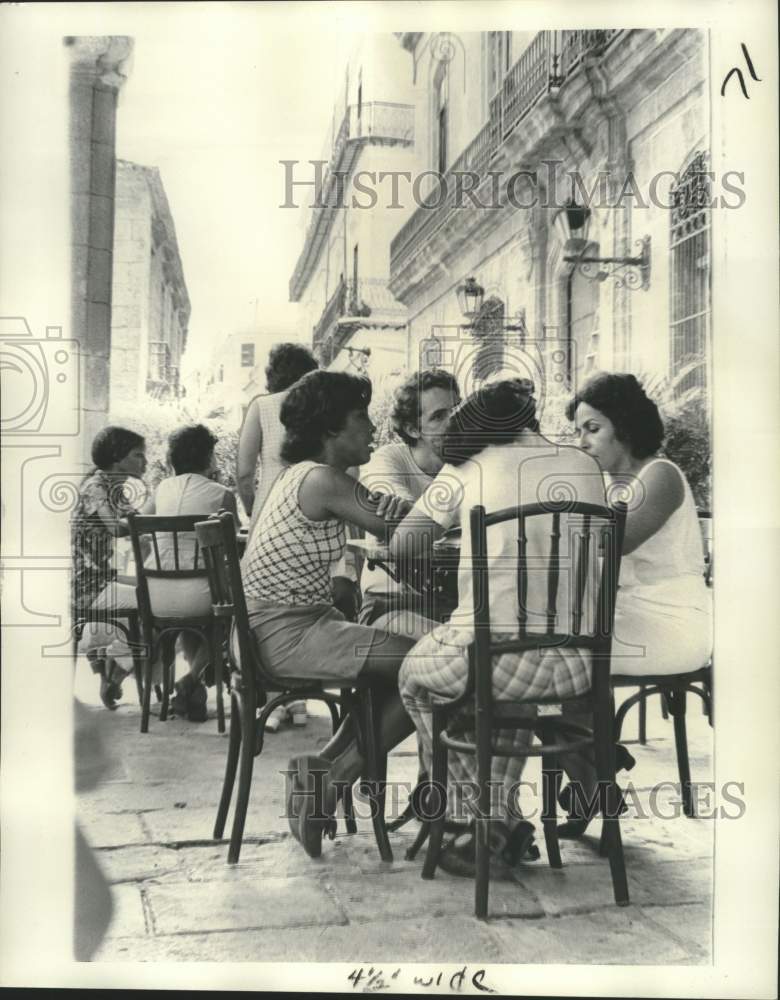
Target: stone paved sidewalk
x=150 y=819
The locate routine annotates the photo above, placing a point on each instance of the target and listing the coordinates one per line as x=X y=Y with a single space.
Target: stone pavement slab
x=190 y=907
x=151 y=817
x=616 y=936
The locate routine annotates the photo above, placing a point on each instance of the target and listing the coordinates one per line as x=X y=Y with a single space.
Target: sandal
x=110 y=686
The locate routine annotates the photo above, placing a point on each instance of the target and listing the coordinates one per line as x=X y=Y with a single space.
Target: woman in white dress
x=663 y=616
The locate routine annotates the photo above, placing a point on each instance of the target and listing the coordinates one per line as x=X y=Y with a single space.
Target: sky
x=215 y=102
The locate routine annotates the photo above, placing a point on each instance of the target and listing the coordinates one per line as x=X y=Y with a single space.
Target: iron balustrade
x=332 y=311
x=550 y=58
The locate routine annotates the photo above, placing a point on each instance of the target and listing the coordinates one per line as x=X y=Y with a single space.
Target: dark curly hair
x=190 y=448
x=406 y=406
x=286 y=363
x=112 y=444
x=494 y=414
x=621 y=398
x=318 y=403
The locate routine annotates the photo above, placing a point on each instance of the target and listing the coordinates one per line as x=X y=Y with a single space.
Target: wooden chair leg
x=610 y=837
x=664 y=707
x=166 y=678
x=215 y=641
x=376 y=772
x=677 y=706
x=483 y=819
x=246 y=763
x=642 y=718
x=439 y=786
x=234 y=746
x=551 y=781
x=336 y=718
x=147 y=683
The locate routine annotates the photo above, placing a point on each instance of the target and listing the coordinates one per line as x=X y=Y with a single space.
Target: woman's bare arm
x=661 y=492
x=327 y=492
x=250 y=443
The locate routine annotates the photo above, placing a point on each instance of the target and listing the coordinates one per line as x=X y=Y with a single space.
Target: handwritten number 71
x=740 y=75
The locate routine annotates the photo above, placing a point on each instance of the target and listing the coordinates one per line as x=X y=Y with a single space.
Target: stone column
x=98 y=70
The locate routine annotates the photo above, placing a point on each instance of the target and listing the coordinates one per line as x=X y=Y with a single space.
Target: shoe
x=110 y=693
x=317 y=814
x=297 y=712
x=507 y=849
x=575 y=826
x=275 y=719
x=110 y=686
x=197 y=710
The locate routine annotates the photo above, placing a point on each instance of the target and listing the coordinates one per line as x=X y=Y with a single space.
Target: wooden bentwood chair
x=251 y=682
x=159 y=631
x=673 y=689
x=599 y=530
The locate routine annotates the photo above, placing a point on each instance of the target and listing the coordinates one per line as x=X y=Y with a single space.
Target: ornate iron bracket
x=636 y=273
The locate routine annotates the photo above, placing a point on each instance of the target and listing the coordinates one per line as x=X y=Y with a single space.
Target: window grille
x=690 y=294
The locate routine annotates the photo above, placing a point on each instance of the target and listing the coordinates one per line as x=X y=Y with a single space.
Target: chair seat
x=201 y=621
x=663 y=680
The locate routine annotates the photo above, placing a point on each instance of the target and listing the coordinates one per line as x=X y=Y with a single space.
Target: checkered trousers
x=288 y=558
x=438 y=664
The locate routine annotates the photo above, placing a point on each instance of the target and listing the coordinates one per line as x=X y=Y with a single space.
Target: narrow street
x=176 y=899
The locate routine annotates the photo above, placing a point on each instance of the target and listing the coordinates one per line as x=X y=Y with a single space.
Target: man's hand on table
x=392 y=507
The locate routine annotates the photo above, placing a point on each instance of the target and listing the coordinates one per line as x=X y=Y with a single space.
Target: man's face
x=436 y=405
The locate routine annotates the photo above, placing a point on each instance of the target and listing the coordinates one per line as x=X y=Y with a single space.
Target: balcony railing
x=546 y=63
x=332 y=311
x=374 y=122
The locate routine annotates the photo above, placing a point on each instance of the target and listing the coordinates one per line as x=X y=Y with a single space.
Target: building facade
x=232 y=377
x=513 y=127
x=151 y=308
x=341 y=275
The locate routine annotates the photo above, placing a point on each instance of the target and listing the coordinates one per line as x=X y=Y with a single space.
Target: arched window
x=689 y=294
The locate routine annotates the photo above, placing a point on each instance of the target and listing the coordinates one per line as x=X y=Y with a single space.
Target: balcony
x=375 y=123
x=544 y=66
x=333 y=309
x=352 y=306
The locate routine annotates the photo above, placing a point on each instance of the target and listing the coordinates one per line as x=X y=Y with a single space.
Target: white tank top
x=669 y=566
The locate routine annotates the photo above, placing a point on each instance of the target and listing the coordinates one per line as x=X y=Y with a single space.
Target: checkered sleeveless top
x=288 y=558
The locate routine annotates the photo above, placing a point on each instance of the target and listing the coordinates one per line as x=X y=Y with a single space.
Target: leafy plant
x=156 y=420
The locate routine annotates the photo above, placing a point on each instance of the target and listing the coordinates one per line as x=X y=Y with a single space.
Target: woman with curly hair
x=663 y=615
x=192 y=489
x=105 y=500
x=286 y=569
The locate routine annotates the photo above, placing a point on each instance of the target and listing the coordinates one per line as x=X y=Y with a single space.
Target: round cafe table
x=434 y=582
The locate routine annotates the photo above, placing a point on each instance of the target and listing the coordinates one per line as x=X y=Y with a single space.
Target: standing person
x=286 y=572
x=192 y=489
x=260 y=440
x=663 y=613
x=497 y=458
x=259 y=459
x=99 y=517
x=422 y=407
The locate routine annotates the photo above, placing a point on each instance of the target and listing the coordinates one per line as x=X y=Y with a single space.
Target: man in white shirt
x=422 y=408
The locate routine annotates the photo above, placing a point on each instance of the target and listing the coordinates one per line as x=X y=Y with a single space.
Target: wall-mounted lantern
x=573 y=222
